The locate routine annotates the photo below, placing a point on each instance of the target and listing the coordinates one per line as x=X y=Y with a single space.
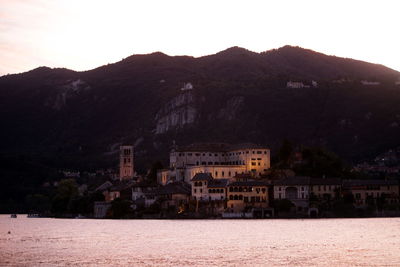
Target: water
x=85 y=242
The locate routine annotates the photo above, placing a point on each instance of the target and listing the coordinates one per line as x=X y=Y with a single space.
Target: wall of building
x=126 y=166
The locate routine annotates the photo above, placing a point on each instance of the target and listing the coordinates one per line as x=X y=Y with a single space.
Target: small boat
x=13 y=215
x=32 y=215
x=80 y=217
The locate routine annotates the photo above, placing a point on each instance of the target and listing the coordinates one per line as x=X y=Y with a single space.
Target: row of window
x=323 y=187
x=247 y=189
x=220 y=163
x=223 y=155
x=247 y=199
x=216 y=191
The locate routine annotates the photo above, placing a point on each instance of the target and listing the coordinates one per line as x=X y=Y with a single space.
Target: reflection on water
x=83 y=242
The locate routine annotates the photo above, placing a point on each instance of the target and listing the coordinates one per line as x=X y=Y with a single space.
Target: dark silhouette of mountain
x=77 y=119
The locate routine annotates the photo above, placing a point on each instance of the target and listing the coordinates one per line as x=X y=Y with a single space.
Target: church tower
x=126 y=170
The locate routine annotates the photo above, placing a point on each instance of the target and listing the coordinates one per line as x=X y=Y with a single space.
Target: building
x=296 y=189
x=200 y=186
x=143 y=195
x=291 y=84
x=206 y=188
x=101 y=208
x=325 y=188
x=163 y=176
x=371 y=190
x=222 y=160
x=247 y=195
x=126 y=167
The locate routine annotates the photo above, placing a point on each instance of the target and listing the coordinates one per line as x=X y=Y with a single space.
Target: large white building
x=223 y=161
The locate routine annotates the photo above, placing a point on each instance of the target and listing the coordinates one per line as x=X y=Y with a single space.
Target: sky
x=84 y=34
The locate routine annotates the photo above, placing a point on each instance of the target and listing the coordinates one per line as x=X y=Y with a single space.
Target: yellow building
x=220 y=159
x=247 y=194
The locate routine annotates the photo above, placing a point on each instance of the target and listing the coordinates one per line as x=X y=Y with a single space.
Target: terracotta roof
x=202 y=177
x=348 y=183
x=325 y=181
x=295 y=180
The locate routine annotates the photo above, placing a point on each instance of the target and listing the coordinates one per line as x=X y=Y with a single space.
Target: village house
x=143 y=195
x=325 y=188
x=296 y=189
x=247 y=194
x=370 y=190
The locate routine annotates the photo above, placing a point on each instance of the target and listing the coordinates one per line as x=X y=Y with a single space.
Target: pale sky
x=84 y=34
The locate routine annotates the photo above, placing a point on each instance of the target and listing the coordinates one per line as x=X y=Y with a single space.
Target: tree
x=152 y=176
x=120 y=208
x=66 y=191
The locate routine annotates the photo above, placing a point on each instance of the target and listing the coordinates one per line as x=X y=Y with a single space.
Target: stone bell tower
x=126 y=169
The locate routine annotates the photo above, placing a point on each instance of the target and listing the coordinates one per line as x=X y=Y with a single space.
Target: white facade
x=199 y=190
x=291 y=192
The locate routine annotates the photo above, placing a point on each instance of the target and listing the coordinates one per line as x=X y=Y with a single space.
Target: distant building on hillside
x=368 y=83
x=291 y=84
x=126 y=167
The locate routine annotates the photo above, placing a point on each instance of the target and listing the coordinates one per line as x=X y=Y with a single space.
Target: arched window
x=231 y=197
x=240 y=189
x=236 y=189
x=199 y=184
x=236 y=197
x=240 y=197
x=230 y=189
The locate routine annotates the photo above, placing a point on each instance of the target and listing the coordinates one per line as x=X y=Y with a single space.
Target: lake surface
x=85 y=242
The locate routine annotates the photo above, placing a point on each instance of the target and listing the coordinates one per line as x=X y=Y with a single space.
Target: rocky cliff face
x=176 y=113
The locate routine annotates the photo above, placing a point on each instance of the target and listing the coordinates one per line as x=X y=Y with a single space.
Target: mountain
x=78 y=119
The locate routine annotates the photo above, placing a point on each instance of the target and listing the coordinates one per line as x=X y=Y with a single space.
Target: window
x=258 y=158
x=216 y=174
x=302 y=188
x=259 y=152
x=259 y=164
x=195 y=191
x=280 y=195
x=280 y=188
x=201 y=190
x=302 y=195
x=247 y=152
x=216 y=155
x=203 y=163
x=199 y=184
x=253 y=164
x=257 y=199
x=197 y=154
x=223 y=174
x=209 y=190
x=229 y=173
x=197 y=163
x=265 y=152
x=189 y=154
x=210 y=163
x=324 y=187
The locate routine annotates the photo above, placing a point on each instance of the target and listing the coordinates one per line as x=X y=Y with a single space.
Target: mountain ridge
x=237 y=96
